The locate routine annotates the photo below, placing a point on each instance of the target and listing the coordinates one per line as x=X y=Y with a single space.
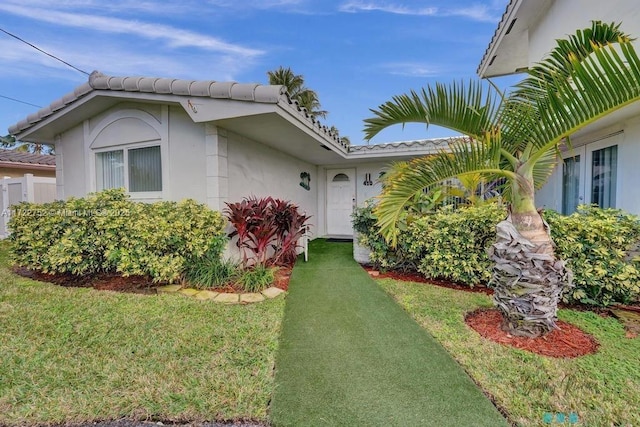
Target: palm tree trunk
x=528 y=279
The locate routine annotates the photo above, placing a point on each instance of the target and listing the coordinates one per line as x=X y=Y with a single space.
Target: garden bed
x=128 y=284
x=566 y=341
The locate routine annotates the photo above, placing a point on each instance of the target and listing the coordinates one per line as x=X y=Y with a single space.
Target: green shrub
x=451 y=244
x=594 y=242
x=256 y=278
x=382 y=256
x=211 y=271
x=106 y=232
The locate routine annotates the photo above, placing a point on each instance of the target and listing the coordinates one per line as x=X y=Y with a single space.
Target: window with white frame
x=136 y=169
x=570 y=184
x=604 y=171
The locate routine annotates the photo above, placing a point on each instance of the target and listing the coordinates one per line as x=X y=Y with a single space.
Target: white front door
x=341 y=198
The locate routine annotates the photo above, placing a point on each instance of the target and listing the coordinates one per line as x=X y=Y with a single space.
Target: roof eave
x=504 y=24
x=95 y=102
x=292 y=111
x=33 y=166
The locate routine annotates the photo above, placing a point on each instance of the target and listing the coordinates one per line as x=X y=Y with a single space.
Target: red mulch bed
x=568 y=341
x=283 y=275
x=104 y=281
x=119 y=283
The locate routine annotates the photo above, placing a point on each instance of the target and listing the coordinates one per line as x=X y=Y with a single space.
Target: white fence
x=28 y=188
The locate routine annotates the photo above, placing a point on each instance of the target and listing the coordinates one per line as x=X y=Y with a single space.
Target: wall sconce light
x=305 y=180
x=367 y=179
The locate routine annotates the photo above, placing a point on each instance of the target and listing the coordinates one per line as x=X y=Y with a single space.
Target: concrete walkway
x=349 y=355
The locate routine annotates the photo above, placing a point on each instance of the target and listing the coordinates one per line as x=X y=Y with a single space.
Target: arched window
x=340 y=178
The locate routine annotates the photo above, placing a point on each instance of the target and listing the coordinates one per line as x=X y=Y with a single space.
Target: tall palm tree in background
x=515 y=137
x=297 y=90
x=9 y=142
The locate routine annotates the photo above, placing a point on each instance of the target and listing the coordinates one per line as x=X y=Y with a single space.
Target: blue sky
x=356 y=54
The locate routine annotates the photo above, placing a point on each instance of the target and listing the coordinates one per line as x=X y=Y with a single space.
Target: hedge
x=107 y=232
x=451 y=244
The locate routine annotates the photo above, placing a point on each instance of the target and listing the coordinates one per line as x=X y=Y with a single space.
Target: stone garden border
x=222 y=297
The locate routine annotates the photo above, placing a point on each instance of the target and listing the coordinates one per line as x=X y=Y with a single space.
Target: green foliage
x=453 y=244
x=424 y=238
x=106 y=232
x=294 y=83
x=515 y=135
x=595 y=241
x=211 y=271
x=448 y=244
x=383 y=256
x=256 y=278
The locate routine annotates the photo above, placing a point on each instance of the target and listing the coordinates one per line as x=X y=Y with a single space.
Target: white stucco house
x=217 y=142
x=602 y=166
x=170 y=139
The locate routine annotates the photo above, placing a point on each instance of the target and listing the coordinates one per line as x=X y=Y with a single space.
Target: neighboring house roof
x=507 y=52
x=16 y=159
x=425 y=146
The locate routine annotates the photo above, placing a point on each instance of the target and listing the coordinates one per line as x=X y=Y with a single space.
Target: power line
x=43 y=51
x=17 y=100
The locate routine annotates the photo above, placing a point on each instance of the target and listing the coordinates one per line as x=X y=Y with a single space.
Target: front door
x=341 y=198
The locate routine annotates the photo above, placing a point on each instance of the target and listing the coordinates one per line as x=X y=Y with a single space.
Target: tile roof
x=27 y=158
x=432 y=145
x=248 y=92
x=251 y=92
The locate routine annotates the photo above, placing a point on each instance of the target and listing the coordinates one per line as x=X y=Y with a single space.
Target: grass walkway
x=349 y=355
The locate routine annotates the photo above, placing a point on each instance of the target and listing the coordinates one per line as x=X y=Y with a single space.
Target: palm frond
x=594 y=73
x=466 y=108
x=544 y=167
x=404 y=180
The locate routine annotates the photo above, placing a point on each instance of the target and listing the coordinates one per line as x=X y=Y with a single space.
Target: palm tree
x=294 y=83
x=9 y=142
x=35 y=148
x=515 y=137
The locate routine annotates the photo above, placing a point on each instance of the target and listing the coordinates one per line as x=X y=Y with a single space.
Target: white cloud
x=113 y=59
x=480 y=12
x=412 y=69
x=397 y=9
x=174 y=37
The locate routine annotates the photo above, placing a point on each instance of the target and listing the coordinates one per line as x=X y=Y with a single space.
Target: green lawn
x=601 y=389
x=78 y=355
x=350 y=356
